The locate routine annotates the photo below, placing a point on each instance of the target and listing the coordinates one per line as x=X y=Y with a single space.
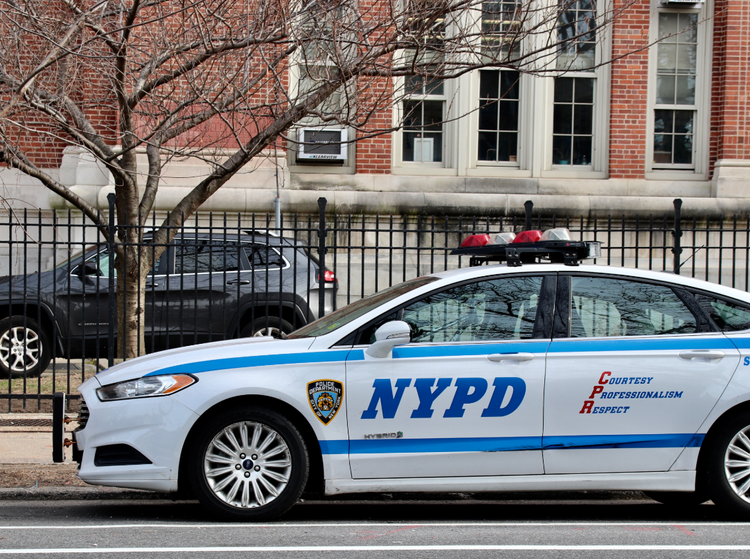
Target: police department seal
x=325 y=398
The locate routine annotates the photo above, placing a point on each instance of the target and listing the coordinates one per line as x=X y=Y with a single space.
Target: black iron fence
x=229 y=276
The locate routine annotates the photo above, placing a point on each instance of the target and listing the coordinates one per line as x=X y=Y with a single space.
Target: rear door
x=631 y=378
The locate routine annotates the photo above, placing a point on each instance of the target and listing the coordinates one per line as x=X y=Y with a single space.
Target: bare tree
x=177 y=78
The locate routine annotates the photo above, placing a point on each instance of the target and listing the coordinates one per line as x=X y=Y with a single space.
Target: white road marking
x=328 y=549
x=368 y=524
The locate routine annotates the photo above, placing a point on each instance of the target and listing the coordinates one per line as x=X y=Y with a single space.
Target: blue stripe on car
x=262 y=361
x=510 y=444
x=460 y=350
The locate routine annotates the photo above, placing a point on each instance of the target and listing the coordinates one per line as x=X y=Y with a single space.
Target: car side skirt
x=644 y=481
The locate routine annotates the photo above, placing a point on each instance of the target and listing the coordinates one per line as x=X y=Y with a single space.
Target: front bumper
x=153 y=428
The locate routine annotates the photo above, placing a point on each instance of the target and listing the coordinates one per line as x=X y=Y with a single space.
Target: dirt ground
x=39 y=475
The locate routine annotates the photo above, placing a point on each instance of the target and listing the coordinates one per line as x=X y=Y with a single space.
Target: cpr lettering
x=507 y=395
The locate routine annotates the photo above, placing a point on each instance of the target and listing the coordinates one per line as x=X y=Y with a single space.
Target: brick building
x=666 y=118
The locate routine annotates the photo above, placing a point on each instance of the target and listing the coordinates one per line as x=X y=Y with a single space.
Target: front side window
x=676 y=76
x=603 y=307
x=501 y=309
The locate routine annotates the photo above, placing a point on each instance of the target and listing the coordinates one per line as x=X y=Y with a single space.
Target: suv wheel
x=267 y=326
x=24 y=348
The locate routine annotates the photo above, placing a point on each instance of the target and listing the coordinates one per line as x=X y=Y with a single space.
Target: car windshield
x=344 y=316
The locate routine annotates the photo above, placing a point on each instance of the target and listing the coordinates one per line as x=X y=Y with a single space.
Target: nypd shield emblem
x=325 y=398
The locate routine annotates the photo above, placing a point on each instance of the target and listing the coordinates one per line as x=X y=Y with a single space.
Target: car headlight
x=144 y=387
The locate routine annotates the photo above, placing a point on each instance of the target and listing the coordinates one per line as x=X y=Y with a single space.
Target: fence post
x=677 y=234
x=112 y=299
x=322 y=232
x=528 y=206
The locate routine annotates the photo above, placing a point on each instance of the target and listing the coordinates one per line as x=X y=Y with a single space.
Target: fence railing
x=235 y=275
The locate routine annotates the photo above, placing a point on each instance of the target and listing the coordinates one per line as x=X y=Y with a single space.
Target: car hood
x=172 y=360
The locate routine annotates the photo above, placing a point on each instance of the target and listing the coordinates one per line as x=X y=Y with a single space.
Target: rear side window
x=729 y=316
x=263 y=256
x=602 y=307
x=195 y=256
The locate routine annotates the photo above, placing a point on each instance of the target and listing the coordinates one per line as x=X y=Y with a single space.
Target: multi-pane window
x=501 y=27
x=423 y=111
x=499 y=95
x=573 y=121
x=573 y=106
x=576 y=34
x=676 y=75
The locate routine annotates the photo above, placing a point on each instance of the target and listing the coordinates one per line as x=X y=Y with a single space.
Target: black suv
x=202 y=288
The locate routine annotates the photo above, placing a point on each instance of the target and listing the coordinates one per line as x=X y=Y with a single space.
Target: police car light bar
x=527 y=247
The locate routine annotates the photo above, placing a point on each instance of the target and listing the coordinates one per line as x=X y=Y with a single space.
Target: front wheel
x=729 y=466
x=24 y=348
x=248 y=464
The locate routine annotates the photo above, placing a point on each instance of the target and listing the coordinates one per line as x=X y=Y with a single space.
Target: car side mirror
x=88 y=269
x=388 y=336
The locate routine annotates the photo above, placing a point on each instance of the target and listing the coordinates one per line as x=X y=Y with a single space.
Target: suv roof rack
x=567 y=252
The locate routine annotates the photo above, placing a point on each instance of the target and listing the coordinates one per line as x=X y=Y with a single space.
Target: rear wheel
x=267 y=326
x=24 y=348
x=729 y=466
x=248 y=464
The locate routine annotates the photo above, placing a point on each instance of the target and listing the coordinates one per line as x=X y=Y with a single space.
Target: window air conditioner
x=322 y=143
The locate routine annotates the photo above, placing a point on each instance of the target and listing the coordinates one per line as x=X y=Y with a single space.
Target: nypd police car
x=538 y=373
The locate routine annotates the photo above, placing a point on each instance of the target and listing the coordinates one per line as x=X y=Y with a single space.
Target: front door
x=464 y=397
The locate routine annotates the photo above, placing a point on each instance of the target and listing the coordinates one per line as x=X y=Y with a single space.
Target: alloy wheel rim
x=247 y=465
x=268 y=331
x=20 y=349
x=737 y=464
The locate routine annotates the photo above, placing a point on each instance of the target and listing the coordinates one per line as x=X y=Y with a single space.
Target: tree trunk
x=131 y=303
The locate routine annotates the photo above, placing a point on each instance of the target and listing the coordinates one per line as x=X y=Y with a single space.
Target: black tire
x=24 y=347
x=679 y=499
x=248 y=464
x=267 y=326
x=728 y=463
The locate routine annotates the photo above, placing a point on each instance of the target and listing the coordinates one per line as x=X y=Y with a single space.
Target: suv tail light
x=328 y=276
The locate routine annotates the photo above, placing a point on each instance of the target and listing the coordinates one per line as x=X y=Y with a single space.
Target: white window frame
x=702 y=107
x=600 y=142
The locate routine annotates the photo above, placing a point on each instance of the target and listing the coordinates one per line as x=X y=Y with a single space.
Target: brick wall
x=730 y=116
x=629 y=94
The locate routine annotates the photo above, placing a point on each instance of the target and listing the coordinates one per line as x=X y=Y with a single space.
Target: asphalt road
x=411 y=529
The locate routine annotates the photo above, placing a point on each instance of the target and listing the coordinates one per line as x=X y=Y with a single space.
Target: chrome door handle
x=241 y=282
x=152 y=284
x=499 y=357
x=702 y=354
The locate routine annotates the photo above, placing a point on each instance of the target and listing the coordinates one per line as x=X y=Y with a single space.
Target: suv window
x=729 y=316
x=602 y=307
x=263 y=256
x=195 y=256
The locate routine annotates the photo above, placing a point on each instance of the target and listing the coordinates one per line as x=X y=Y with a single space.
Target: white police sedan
x=522 y=376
